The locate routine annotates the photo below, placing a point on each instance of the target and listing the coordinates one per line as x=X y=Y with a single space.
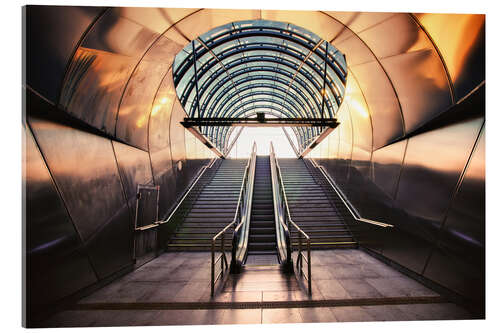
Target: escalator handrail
x=242 y=218
x=282 y=185
x=239 y=243
x=291 y=224
x=354 y=213
x=282 y=231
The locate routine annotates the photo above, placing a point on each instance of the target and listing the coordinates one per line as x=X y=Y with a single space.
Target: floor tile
x=317 y=315
x=241 y=316
x=351 y=313
x=283 y=316
x=359 y=288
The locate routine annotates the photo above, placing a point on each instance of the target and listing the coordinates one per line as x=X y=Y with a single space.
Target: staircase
x=213 y=204
x=262 y=235
x=314 y=210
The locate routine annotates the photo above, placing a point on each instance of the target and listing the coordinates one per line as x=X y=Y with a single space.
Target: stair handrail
x=301 y=257
x=283 y=241
x=352 y=210
x=193 y=184
x=241 y=215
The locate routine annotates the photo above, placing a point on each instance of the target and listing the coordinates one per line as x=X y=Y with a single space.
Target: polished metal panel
x=421 y=84
x=360 y=116
x=333 y=146
x=458 y=261
x=147 y=206
x=135 y=168
x=387 y=163
x=84 y=168
x=137 y=102
x=206 y=19
x=395 y=35
x=432 y=176
x=145 y=246
x=382 y=102
x=52 y=34
x=353 y=47
x=155 y=19
x=432 y=181
x=101 y=68
x=462 y=50
x=316 y=22
x=56 y=262
x=159 y=144
x=111 y=248
x=359 y=21
x=178 y=147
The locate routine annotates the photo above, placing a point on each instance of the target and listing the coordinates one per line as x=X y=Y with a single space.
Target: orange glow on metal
x=455 y=35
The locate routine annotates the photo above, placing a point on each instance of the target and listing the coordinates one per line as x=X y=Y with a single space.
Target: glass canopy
x=242 y=68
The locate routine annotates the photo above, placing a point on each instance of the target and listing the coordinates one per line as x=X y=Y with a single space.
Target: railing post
x=223 y=254
x=299 y=256
x=212 y=268
x=309 y=265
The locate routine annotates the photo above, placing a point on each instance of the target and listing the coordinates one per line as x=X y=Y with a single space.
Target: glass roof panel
x=260 y=66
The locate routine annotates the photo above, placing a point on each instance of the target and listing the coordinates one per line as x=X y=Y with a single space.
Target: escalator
x=262 y=236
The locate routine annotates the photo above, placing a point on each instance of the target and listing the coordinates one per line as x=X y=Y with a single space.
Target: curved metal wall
x=112 y=125
x=108 y=72
x=415 y=93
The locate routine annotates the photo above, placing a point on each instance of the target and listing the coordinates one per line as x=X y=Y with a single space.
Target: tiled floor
x=338 y=275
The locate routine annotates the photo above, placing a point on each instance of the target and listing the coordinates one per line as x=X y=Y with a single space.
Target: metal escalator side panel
x=283 y=240
x=240 y=237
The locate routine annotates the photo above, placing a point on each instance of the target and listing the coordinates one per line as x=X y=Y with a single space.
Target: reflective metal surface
x=53 y=246
x=461 y=244
x=52 y=34
x=137 y=102
x=178 y=148
x=159 y=144
x=135 y=168
x=382 y=102
x=84 y=169
x=101 y=68
x=463 y=52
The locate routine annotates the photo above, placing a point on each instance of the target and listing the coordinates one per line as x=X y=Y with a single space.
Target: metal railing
x=177 y=214
x=354 y=213
x=240 y=225
x=287 y=225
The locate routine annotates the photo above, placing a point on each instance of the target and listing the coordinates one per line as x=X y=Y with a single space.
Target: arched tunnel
x=106 y=90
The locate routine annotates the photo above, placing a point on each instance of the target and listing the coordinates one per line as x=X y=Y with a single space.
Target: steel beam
x=261 y=122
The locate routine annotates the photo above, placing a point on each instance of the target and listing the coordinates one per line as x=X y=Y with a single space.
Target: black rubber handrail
x=286 y=225
x=240 y=225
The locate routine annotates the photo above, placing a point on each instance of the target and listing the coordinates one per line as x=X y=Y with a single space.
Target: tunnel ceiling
x=245 y=67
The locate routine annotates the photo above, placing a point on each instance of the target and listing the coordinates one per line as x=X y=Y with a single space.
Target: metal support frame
x=204 y=140
x=323 y=90
x=295 y=150
x=228 y=149
x=196 y=79
x=330 y=123
x=316 y=142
